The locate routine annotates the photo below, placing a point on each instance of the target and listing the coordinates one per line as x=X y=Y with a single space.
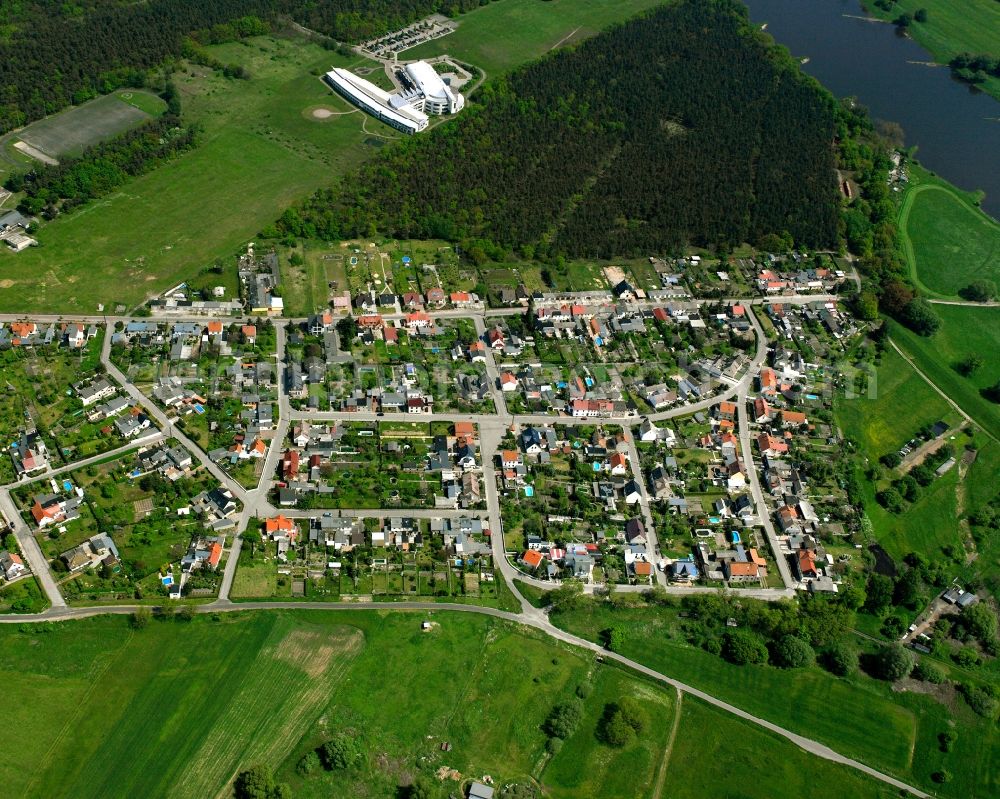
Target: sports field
x=71 y=131
x=948 y=241
x=499 y=36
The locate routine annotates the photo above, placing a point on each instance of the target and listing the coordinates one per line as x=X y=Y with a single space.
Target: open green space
x=737 y=747
x=499 y=36
x=178 y=708
x=260 y=150
x=948 y=241
x=73 y=130
x=964 y=331
x=972 y=26
x=899 y=402
x=894 y=731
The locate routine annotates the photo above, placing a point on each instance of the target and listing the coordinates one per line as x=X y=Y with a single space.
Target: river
x=956 y=129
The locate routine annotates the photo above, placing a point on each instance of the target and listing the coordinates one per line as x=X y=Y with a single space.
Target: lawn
x=964 y=331
x=859 y=717
x=901 y=404
x=499 y=36
x=261 y=149
x=949 y=242
x=179 y=707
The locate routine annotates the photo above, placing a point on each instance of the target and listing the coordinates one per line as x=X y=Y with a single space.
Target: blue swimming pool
x=812 y=396
x=199 y=408
x=67 y=485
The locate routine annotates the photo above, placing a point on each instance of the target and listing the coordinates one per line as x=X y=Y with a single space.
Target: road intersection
x=493 y=427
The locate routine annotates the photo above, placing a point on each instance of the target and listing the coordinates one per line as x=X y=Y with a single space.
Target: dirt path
x=661 y=778
x=565 y=39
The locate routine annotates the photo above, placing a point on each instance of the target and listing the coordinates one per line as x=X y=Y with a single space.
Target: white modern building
x=433 y=95
x=426 y=93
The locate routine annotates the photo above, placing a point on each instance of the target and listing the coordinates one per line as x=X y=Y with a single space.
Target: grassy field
x=964 y=331
x=949 y=242
x=261 y=150
x=953 y=28
x=858 y=716
x=180 y=707
x=499 y=36
x=901 y=405
x=737 y=749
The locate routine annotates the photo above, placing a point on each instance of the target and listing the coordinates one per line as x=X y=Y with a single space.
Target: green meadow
x=499 y=36
x=972 y=26
x=860 y=717
x=261 y=149
x=180 y=707
x=964 y=331
x=948 y=241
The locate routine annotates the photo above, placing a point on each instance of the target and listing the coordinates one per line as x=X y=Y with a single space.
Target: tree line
x=681 y=126
x=99 y=170
x=54 y=54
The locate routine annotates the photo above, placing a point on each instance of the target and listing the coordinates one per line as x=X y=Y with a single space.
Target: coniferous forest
x=682 y=126
x=54 y=53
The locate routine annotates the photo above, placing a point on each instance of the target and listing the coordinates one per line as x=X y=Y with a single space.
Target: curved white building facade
x=407 y=110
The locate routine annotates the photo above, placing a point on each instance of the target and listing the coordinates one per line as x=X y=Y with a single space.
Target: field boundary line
x=906 y=357
x=661 y=778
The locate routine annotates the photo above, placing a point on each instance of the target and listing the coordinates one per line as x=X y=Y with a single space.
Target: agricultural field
x=949 y=242
x=226 y=691
x=894 y=731
x=261 y=149
x=500 y=36
x=73 y=130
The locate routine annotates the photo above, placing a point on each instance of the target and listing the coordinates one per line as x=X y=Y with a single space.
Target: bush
x=616 y=731
x=928 y=672
x=945 y=740
x=893 y=662
x=742 y=647
x=634 y=713
x=982 y=700
x=553 y=745
x=257 y=782
x=890 y=499
x=308 y=763
x=841 y=659
x=919 y=316
x=584 y=689
x=563 y=719
x=941 y=777
x=341 y=752
x=891 y=460
x=791 y=652
x=139 y=620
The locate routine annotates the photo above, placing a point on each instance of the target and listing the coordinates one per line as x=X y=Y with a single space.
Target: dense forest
x=54 y=53
x=683 y=125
